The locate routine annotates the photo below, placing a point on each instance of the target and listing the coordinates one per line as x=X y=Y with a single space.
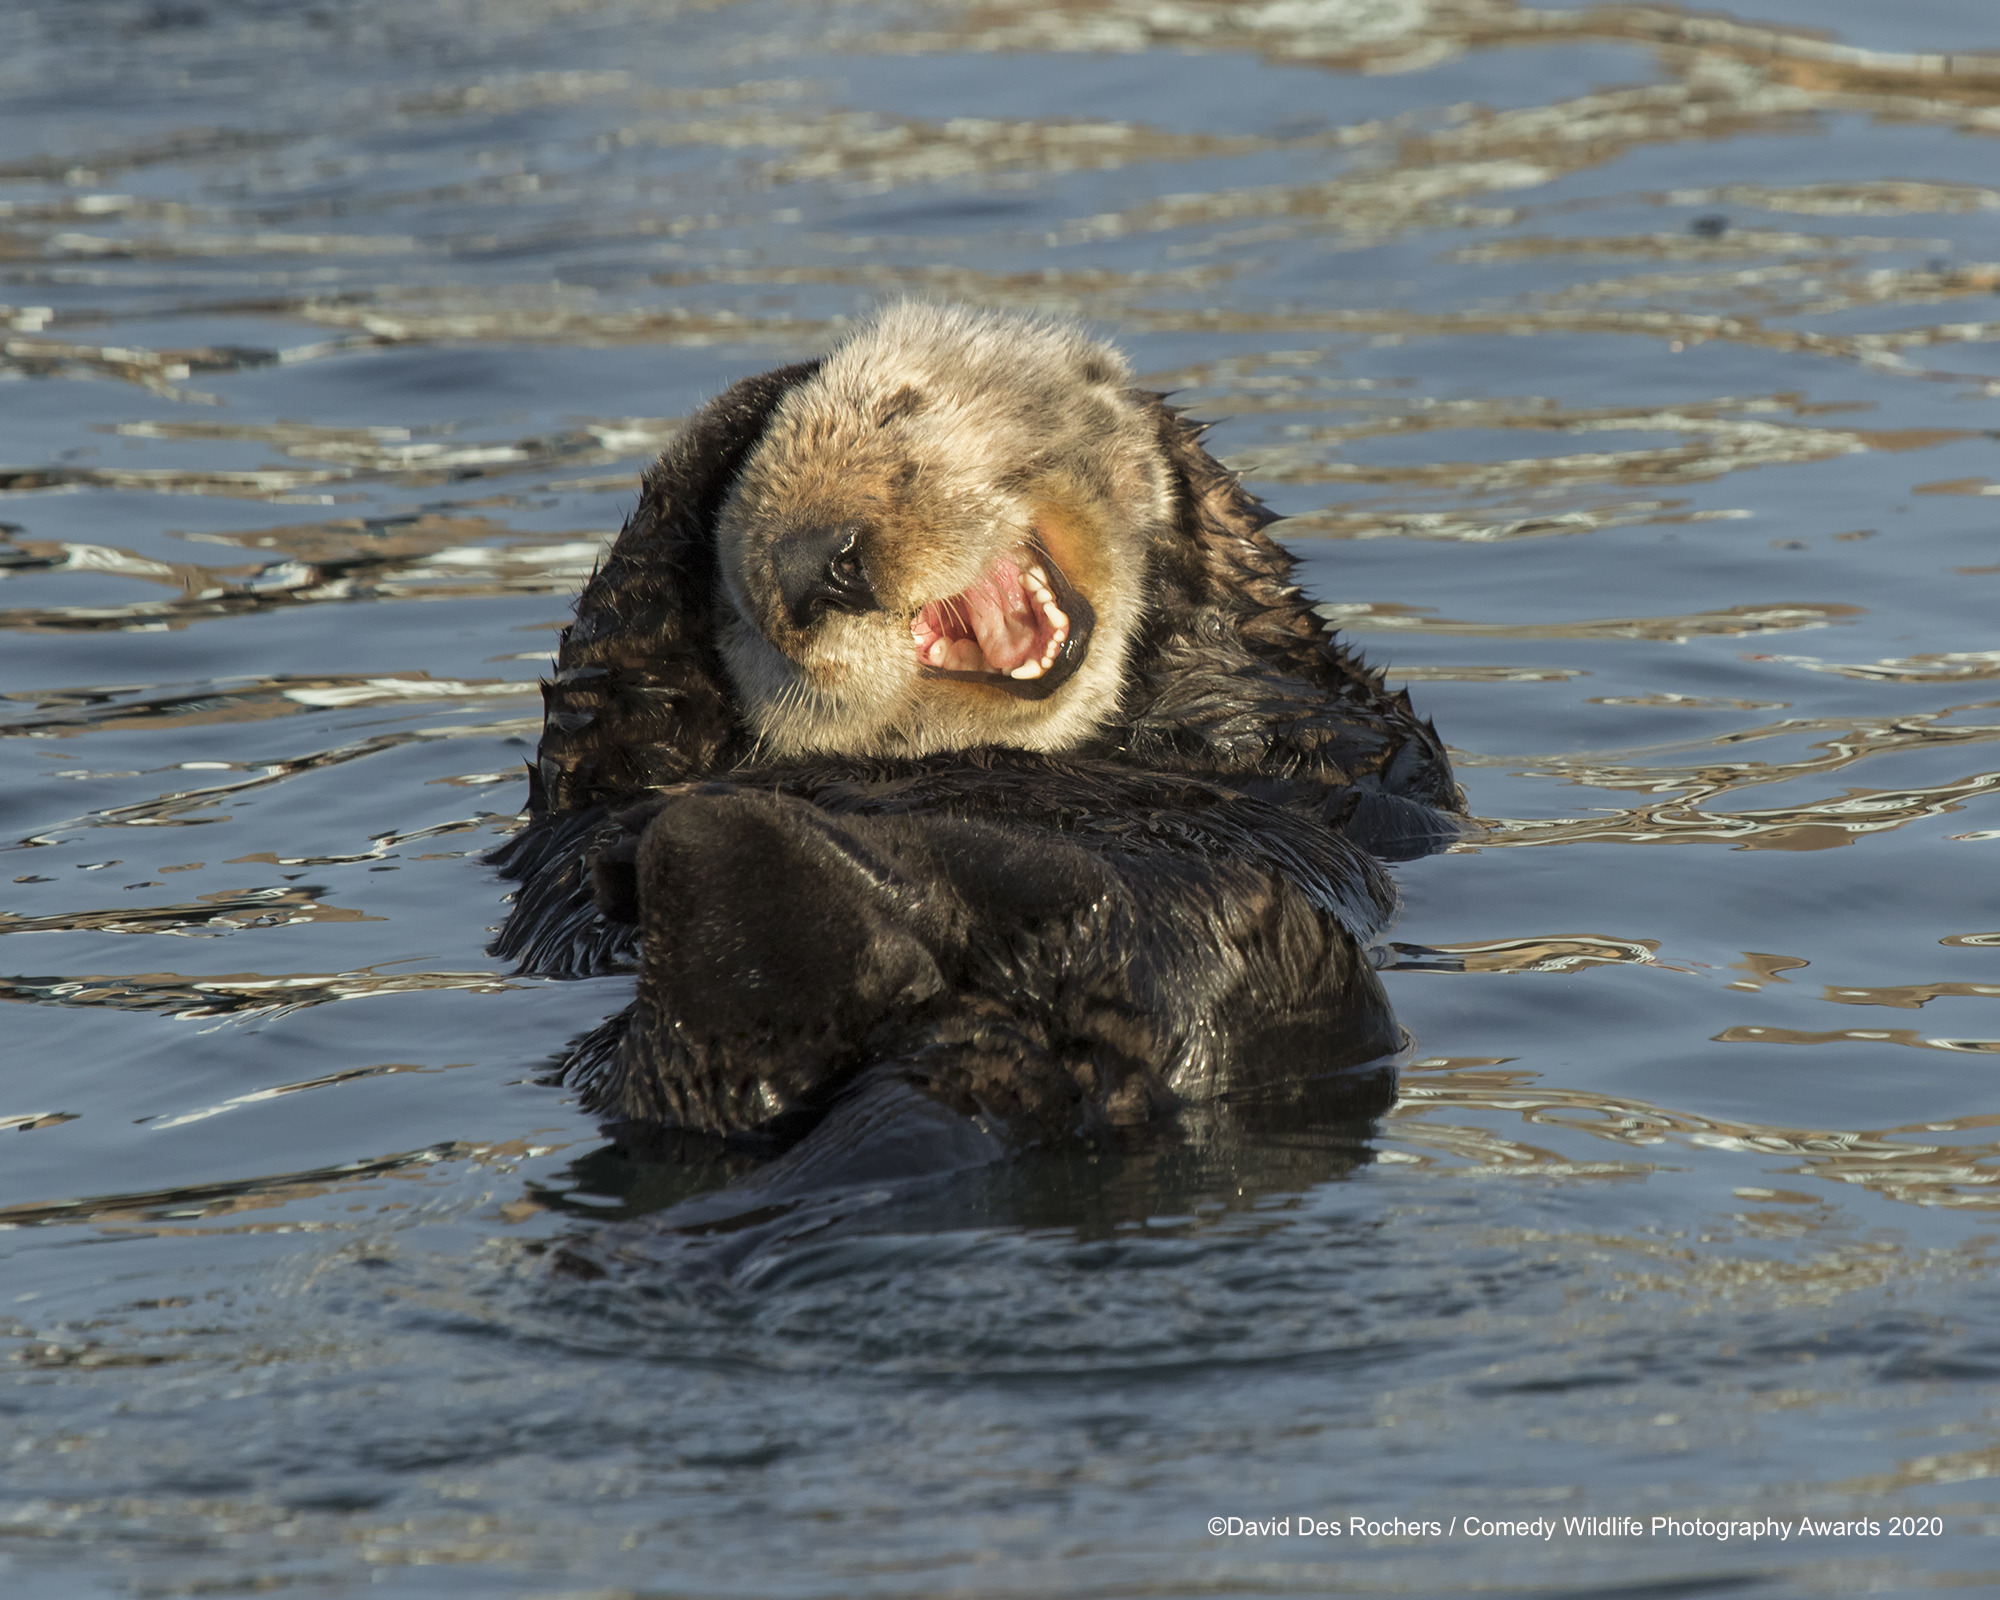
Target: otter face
x=942 y=540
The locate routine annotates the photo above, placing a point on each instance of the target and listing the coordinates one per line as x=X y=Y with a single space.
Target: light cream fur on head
x=948 y=437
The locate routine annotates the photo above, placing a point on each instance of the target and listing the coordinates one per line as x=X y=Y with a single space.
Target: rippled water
x=1630 y=374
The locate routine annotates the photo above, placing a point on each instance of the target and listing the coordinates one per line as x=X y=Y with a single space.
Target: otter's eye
x=820 y=570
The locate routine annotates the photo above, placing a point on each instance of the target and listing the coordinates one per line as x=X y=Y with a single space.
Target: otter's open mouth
x=1021 y=627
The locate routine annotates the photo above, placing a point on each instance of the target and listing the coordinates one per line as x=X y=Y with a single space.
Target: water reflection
x=1819 y=825
x=236 y=995
x=1367 y=616
x=691 y=1206
x=225 y=911
x=174 y=1210
x=1905 y=1163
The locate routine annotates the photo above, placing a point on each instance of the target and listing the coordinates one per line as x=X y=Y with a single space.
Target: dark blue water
x=1631 y=377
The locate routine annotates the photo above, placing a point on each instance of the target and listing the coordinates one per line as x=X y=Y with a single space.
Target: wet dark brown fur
x=1046 y=942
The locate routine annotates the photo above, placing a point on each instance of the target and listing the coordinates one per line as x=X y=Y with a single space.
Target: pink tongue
x=1003 y=618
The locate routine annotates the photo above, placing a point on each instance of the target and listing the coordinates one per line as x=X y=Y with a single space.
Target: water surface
x=1630 y=377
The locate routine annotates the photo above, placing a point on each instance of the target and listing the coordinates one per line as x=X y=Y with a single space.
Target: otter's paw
x=773 y=941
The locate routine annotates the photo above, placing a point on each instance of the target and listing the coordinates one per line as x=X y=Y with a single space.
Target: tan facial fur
x=940 y=441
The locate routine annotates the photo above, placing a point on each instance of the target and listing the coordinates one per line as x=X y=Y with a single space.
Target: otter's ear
x=639 y=697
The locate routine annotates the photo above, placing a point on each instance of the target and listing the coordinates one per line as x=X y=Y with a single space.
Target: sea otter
x=949 y=746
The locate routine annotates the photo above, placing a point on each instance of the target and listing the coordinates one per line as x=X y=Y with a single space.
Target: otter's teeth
x=1058 y=634
x=1036 y=581
x=937 y=651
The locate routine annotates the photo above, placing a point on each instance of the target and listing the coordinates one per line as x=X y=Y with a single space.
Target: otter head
x=942 y=540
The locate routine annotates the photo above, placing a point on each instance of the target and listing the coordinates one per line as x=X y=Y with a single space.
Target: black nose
x=819 y=570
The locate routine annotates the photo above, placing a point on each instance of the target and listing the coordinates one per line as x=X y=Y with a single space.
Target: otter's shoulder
x=638 y=697
x=1240 y=676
